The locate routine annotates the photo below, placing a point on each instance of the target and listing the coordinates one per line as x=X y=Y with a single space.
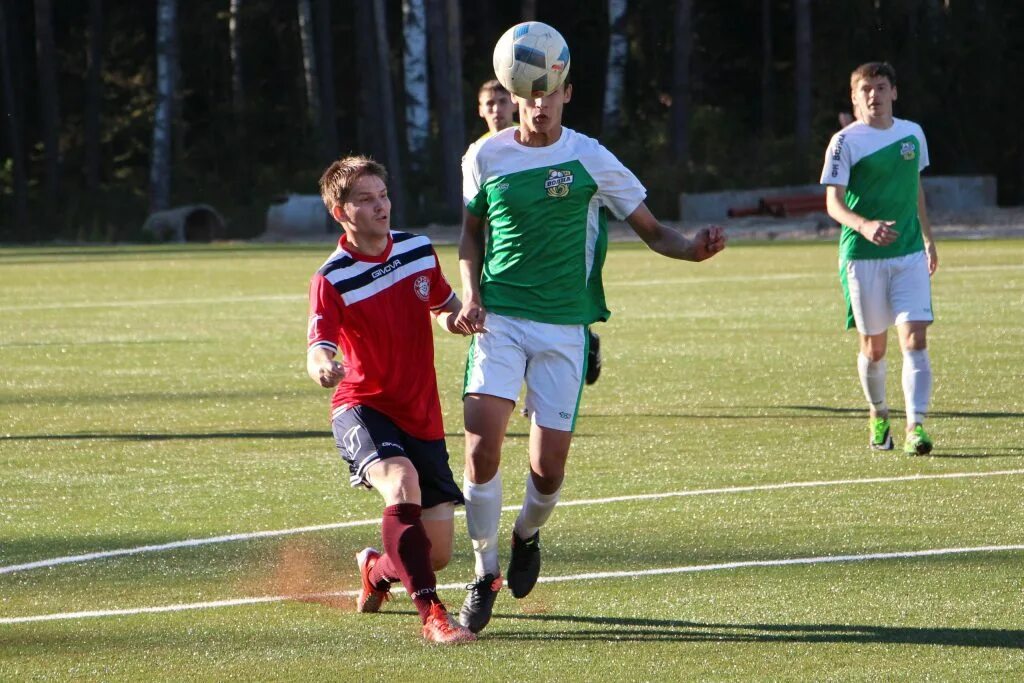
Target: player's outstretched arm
x=448 y=314
x=322 y=367
x=668 y=242
x=926 y=232
x=876 y=231
x=470 y=318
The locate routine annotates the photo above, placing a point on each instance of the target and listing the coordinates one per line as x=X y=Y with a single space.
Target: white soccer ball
x=531 y=59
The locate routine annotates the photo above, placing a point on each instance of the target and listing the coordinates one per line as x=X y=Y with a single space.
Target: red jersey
x=375 y=312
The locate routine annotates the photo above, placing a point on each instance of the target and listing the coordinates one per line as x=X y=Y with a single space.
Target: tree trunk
x=803 y=74
x=681 y=49
x=309 y=65
x=163 y=116
x=93 y=106
x=46 y=64
x=392 y=157
x=615 y=78
x=13 y=128
x=325 y=64
x=529 y=12
x=443 y=28
x=235 y=50
x=369 y=124
x=767 y=70
x=417 y=99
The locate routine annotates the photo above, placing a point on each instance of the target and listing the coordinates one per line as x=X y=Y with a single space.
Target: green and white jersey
x=547 y=213
x=881 y=170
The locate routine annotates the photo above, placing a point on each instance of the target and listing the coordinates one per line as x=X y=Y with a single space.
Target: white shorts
x=884 y=292
x=551 y=358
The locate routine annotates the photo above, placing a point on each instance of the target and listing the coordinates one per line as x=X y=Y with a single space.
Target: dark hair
x=338 y=179
x=873 y=70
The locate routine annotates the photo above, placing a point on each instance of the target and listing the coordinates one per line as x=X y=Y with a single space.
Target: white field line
x=272 y=298
x=275 y=298
x=594 y=576
x=193 y=542
x=782 y=277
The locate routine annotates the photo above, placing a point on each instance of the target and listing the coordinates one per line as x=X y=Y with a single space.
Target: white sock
x=917 y=384
x=483 y=512
x=872 y=379
x=537 y=507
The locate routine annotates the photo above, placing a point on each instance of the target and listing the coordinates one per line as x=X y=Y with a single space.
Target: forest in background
x=113 y=109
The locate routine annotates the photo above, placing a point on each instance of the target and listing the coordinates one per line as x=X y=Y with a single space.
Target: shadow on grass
x=643 y=630
x=798 y=412
x=861 y=412
x=143 y=436
x=200 y=436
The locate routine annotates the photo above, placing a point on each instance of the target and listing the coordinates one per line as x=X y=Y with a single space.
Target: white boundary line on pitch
x=691 y=569
x=193 y=542
x=275 y=298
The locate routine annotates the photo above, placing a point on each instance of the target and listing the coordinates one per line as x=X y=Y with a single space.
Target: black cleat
x=476 y=610
x=524 y=567
x=593 y=359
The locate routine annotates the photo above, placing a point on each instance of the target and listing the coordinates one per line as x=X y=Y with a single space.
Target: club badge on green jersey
x=558 y=182
x=908 y=150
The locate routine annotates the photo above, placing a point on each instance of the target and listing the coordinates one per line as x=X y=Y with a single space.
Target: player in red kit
x=372 y=301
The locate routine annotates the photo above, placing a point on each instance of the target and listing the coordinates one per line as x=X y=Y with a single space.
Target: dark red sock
x=407 y=555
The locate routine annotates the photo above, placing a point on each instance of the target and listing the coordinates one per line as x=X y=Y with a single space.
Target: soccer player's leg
x=375 y=450
x=494 y=374
x=365 y=437
x=912 y=302
x=555 y=379
x=866 y=288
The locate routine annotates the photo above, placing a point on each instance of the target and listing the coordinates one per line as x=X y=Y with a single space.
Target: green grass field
x=154 y=395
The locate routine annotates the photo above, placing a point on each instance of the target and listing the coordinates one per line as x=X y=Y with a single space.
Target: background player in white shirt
x=887 y=254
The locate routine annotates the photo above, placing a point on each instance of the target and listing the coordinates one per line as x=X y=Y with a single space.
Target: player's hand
x=470 y=319
x=708 y=242
x=330 y=373
x=450 y=324
x=879 y=232
x=933 y=257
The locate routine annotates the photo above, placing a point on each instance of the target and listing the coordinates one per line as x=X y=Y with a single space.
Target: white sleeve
x=470 y=174
x=923 y=160
x=617 y=188
x=837 y=162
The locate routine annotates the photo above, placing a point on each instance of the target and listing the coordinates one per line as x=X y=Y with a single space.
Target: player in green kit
x=495 y=107
x=887 y=255
x=532 y=288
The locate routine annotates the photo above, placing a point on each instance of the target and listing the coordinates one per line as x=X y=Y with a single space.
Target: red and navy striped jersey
x=375 y=312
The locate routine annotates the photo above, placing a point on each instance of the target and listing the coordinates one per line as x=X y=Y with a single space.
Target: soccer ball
x=531 y=59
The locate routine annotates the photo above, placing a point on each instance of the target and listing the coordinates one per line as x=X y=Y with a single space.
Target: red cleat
x=370 y=598
x=442 y=629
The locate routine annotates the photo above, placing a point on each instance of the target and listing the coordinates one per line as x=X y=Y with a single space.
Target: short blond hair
x=338 y=179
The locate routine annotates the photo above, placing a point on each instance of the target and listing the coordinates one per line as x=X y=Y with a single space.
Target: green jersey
x=881 y=170
x=547 y=211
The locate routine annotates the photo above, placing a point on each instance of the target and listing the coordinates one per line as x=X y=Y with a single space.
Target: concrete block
x=190 y=223
x=297 y=216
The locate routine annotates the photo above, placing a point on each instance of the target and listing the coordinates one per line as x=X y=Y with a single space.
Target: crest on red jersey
x=422 y=287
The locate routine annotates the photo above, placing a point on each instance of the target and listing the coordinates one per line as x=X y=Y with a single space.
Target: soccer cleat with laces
x=524 y=567
x=594 y=359
x=918 y=442
x=881 y=438
x=476 y=610
x=370 y=598
x=442 y=629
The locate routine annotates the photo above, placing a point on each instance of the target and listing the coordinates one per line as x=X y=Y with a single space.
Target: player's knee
x=440 y=557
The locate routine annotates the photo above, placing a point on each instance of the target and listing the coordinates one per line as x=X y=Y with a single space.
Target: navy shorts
x=365 y=436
